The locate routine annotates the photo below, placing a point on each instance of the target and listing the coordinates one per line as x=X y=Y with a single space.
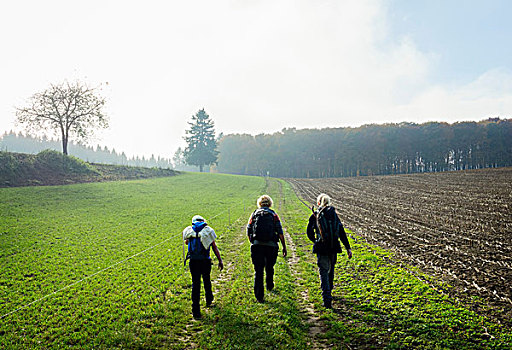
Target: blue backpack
x=196 y=250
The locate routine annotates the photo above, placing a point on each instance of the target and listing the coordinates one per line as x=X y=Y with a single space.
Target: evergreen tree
x=178 y=158
x=201 y=149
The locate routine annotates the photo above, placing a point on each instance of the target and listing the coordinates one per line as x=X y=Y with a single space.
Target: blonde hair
x=323 y=200
x=264 y=201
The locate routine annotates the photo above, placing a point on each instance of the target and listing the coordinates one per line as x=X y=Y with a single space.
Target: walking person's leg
x=206 y=270
x=258 y=260
x=195 y=270
x=324 y=267
x=271 y=258
x=333 y=259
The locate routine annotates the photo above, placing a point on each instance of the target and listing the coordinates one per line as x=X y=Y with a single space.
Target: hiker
x=199 y=238
x=264 y=230
x=325 y=230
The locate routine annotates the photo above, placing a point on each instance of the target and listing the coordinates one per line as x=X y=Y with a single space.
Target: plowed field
x=456 y=225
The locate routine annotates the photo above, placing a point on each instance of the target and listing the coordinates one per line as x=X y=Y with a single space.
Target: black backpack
x=329 y=228
x=263 y=225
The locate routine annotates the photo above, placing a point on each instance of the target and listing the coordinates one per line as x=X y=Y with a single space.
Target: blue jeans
x=326 y=265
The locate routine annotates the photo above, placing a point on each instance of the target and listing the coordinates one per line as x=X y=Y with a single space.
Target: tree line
x=369 y=150
x=73 y=110
x=21 y=143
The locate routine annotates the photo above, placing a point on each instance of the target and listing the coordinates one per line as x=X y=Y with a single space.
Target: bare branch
x=68 y=108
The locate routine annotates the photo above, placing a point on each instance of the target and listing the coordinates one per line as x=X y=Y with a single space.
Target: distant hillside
x=19 y=143
x=54 y=168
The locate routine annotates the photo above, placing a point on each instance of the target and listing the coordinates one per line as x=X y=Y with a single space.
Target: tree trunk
x=65 y=146
x=201 y=168
x=64 y=140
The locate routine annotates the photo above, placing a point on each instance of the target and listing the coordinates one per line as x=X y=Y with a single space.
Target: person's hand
x=284 y=252
x=349 y=253
x=221 y=265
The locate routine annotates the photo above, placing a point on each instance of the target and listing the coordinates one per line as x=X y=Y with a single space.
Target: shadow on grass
x=368 y=326
x=239 y=322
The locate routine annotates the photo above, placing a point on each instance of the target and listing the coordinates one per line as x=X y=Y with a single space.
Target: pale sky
x=260 y=66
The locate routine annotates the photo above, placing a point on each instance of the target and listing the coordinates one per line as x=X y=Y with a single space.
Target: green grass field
x=51 y=237
x=100 y=266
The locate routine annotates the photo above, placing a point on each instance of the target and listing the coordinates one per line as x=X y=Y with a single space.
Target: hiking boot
x=270 y=285
x=196 y=313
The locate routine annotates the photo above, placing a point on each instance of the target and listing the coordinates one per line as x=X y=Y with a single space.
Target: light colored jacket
x=207 y=235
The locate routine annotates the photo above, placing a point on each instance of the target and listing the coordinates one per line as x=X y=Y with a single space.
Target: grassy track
x=238 y=321
x=52 y=237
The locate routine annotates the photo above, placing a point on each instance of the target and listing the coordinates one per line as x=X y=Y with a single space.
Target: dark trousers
x=200 y=268
x=326 y=265
x=263 y=258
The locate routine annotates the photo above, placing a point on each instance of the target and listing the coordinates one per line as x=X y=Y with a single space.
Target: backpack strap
x=186 y=258
x=188 y=251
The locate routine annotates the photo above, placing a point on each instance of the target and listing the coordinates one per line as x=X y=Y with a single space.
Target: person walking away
x=199 y=238
x=264 y=230
x=325 y=230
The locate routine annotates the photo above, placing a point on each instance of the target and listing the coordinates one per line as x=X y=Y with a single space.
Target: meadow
x=52 y=237
x=99 y=265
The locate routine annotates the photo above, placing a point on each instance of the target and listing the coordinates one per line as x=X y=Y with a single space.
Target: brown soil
x=455 y=225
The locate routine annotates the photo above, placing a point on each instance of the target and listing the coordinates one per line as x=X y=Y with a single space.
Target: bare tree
x=66 y=108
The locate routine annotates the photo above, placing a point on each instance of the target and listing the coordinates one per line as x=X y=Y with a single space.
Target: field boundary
x=51 y=168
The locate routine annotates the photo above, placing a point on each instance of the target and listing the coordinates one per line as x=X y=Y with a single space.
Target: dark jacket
x=314 y=234
x=278 y=229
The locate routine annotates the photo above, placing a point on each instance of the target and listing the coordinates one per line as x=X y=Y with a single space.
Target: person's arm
x=250 y=228
x=344 y=239
x=217 y=254
x=283 y=243
x=311 y=229
x=280 y=233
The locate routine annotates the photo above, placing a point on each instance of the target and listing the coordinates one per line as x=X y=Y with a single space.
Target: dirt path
x=194 y=328
x=316 y=326
x=227 y=273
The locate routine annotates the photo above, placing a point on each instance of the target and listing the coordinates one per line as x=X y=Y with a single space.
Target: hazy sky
x=260 y=66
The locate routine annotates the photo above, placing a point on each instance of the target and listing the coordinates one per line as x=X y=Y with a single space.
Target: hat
x=197 y=218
